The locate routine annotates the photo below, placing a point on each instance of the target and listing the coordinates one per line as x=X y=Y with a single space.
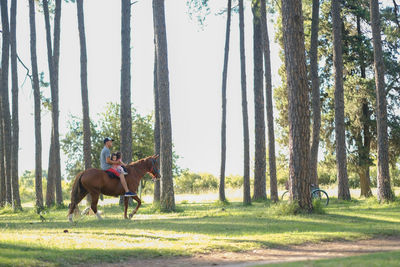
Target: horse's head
x=154 y=170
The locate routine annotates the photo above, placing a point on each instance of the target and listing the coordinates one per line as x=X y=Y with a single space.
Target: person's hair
x=118 y=154
x=114 y=154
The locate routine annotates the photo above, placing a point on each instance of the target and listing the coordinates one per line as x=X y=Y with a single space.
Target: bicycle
x=316 y=193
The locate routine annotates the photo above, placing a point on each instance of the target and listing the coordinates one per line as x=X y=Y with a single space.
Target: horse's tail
x=78 y=192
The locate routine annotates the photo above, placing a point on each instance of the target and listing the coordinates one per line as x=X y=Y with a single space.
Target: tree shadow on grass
x=30 y=255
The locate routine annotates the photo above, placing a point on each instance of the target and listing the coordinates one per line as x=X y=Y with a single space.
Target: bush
x=318 y=207
x=285 y=208
x=234 y=181
x=189 y=182
x=354 y=180
x=324 y=178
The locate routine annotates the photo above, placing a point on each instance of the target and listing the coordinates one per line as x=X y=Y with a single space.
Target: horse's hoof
x=99 y=217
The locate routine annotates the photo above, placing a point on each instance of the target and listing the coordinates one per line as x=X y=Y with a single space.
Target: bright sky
x=195 y=71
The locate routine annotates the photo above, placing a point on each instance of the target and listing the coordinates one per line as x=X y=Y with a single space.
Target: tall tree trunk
x=15 y=123
x=157 y=141
x=260 y=190
x=316 y=102
x=384 y=188
x=246 y=153
x=299 y=109
x=222 y=196
x=270 y=112
x=5 y=99
x=37 y=107
x=50 y=194
x=341 y=161
x=2 y=173
x=126 y=113
x=364 y=145
x=167 y=186
x=366 y=181
x=55 y=102
x=87 y=146
x=84 y=87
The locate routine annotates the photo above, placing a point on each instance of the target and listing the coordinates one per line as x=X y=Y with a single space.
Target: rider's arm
x=109 y=161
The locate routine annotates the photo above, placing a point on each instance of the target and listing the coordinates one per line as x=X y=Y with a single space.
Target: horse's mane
x=138 y=161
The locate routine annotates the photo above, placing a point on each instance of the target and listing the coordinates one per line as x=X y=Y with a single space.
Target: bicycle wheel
x=320 y=195
x=285 y=196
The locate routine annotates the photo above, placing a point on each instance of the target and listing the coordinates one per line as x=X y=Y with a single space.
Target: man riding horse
x=106 y=162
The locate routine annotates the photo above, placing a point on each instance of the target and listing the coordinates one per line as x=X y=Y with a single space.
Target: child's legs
x=120 y=169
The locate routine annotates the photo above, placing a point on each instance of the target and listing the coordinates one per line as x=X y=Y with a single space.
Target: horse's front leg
x=139 y=202
x=95 y=199
x=126 y=202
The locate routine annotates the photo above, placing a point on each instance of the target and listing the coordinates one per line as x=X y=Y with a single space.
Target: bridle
x=154 y=169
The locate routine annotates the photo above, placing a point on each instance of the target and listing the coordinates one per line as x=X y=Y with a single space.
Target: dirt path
x=276 y=255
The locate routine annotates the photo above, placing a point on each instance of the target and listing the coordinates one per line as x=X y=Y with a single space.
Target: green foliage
x=234 y=181
x=282 y=169
x=359 y=85
x=285 y=208
x=318 y=207
x=189 y=182
x=107 y=126
x=27 y=185
x=198 y=9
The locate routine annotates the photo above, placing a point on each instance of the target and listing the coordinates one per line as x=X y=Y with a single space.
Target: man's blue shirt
x=105 y=153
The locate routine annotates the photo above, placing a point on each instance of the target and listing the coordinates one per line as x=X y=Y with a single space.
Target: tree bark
x=260 y=190
x=126 y=114
x=87 y=146
x=5 y=100
x=16 y=203
x=37 y=108
x=269 y=105
x=364 y=142
x=222 y=196
x=299 y=110
x=384 y=188
x=55 y=102
x=84 y=87
x=167 y=188
x=341 y=161
x=50 y=193
x=54 y=172
x=316 y=102
x=50 y=198
x=157 y=141
x=2 y=153
x=246 y=153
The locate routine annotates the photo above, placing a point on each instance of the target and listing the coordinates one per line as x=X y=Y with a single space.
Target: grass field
x=194 y=228
x=386 y=259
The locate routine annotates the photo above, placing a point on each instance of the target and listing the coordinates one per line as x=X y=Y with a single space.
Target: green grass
x=386 y=259
x=195 y=228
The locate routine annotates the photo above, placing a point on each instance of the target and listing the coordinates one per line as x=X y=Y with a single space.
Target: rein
x=154 y=168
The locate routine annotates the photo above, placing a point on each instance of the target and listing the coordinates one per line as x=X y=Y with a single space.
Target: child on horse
x=117 y=156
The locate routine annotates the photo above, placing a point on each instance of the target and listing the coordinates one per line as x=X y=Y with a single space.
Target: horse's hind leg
x=126 y=202
x=74 y=205
x=95 y=199
x=139 y=202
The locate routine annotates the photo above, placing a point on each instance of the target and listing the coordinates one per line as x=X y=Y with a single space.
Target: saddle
x=111 y=175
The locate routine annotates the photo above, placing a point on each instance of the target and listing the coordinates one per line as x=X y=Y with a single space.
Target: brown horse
x=95 y=181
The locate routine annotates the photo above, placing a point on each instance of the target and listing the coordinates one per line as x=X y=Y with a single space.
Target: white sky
x=195 y=72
